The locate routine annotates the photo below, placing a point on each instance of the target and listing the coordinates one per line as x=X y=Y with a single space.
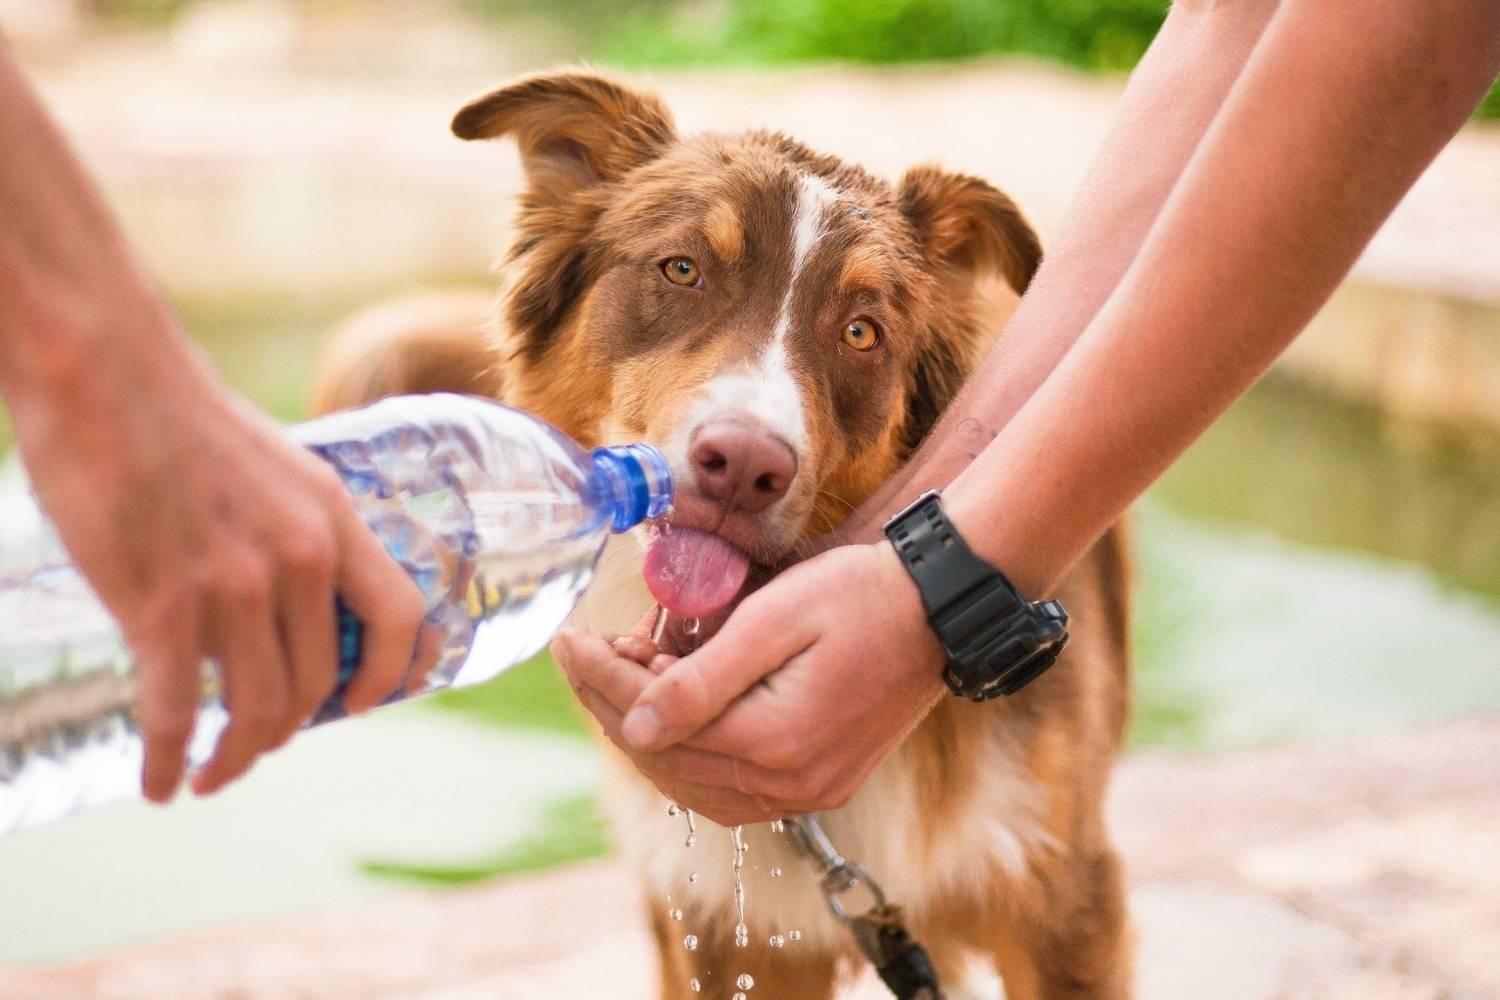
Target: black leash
x=879 y=930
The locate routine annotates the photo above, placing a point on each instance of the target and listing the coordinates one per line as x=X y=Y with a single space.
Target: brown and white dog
x=787 y=327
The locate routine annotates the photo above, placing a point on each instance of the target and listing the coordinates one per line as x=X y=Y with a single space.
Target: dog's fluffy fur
x=986 y=823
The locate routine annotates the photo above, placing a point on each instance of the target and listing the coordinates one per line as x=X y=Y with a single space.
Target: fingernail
x=642 y=727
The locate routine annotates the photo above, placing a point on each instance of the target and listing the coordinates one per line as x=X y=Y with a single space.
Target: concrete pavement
x=1364 y=870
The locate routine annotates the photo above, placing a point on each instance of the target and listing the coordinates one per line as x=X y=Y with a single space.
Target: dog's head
x=785 y=326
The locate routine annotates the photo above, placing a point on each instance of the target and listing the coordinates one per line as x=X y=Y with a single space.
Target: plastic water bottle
x=497 y=516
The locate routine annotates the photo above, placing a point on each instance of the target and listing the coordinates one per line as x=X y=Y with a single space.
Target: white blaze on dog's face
x=783 y=325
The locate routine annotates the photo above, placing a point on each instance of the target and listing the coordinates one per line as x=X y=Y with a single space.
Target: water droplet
x=776 y=873
x=690 y=942
x=691 y=626
x=689 y=840
x=673 y=809
x=777 y=826
x=740 y=996
x=695 y=986
x=777 y=941
x=746 y=981
x=692 y=876
x=675 y=913
x=794 y=935
x=741 y=936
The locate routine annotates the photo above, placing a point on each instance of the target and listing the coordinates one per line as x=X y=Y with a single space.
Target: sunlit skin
x=1282 y=136
x=205 y=532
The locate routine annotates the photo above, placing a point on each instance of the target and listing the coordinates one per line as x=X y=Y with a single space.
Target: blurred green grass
x=570 y=830
x=533 y=695
x=1105 y=35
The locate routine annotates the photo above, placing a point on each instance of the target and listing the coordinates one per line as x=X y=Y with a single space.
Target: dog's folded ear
x=965 y=223
x=574 y=128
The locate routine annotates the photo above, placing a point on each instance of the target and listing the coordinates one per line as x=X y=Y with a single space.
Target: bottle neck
x=635 y=483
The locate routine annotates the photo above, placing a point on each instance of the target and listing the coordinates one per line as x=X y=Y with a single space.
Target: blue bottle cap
x=636 y=483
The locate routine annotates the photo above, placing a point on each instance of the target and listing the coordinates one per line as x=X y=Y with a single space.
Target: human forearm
x=204 y=531
x=69 y=286
x=1319 y=140
x=1167 y=106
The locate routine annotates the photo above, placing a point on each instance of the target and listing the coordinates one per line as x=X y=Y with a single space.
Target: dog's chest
x=921 y=861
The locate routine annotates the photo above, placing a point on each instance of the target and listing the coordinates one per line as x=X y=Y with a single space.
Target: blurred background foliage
x=1093 y=34
x=1097 y=35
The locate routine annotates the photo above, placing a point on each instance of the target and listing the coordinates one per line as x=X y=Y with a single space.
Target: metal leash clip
x=879 y=929
x=840 y=876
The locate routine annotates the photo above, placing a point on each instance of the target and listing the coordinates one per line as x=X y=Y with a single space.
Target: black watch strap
x=996 y=640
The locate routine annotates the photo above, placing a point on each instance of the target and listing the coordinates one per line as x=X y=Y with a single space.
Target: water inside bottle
x=500 y=559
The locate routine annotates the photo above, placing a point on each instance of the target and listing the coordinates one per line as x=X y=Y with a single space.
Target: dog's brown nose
x=742 y=464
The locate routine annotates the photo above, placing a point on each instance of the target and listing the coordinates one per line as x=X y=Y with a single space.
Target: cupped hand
x=208 y=535
x=808 y=685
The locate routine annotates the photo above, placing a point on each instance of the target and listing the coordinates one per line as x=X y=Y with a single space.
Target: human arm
x=202 y=529
x=1343 y=107
x=1167 y=105
x=1334 y=116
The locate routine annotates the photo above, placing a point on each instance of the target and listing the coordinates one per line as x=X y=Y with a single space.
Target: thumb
x=753 y=643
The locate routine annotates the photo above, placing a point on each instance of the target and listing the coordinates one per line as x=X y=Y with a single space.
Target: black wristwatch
x=997 y=641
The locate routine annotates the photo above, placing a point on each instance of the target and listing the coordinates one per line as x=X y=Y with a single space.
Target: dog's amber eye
x=681 y=271
x=862 y=334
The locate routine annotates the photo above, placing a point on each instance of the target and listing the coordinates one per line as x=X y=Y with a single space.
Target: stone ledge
x=253 y=181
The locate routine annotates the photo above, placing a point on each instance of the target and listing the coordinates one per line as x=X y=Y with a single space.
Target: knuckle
x=311 y=693
x=383 y=674
x=326 y=487
x=406 y=606
x=308 y=552
x=266 y=712
x=682 y=695
x=244 y=581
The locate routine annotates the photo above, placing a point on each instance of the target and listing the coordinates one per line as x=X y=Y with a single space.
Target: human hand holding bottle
x=204 y=531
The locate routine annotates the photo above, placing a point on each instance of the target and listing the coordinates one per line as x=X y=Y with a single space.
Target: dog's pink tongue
x=694 y=574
